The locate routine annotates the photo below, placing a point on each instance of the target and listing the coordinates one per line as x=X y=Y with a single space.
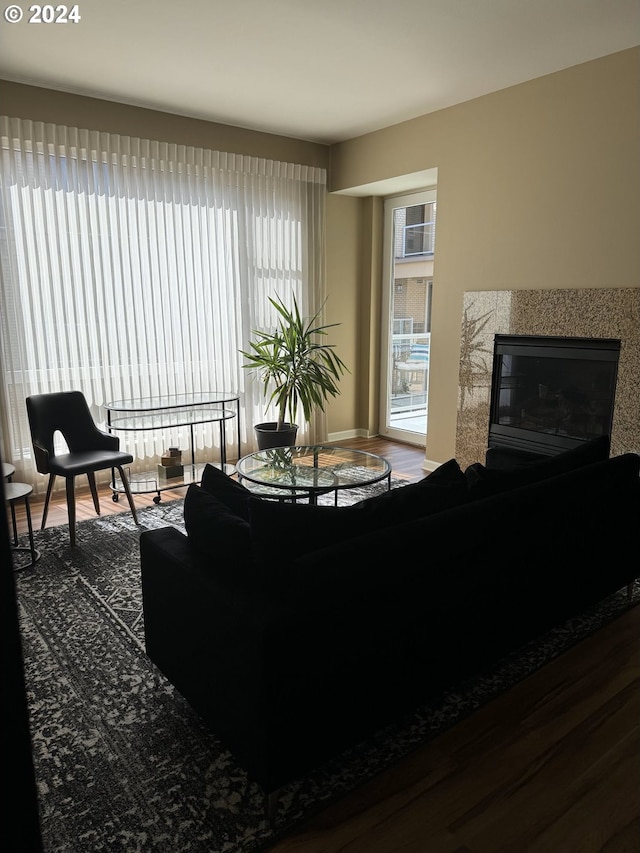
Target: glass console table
x=172 y=411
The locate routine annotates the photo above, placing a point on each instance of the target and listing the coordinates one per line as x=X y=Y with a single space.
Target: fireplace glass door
x=550 y=394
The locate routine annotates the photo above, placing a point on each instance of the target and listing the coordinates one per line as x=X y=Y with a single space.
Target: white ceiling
x=321 y=70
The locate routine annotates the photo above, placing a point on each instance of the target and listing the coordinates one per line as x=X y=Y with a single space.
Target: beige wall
x=344 y=270
x=31 y=102
x=354 y=260
x=538 y=187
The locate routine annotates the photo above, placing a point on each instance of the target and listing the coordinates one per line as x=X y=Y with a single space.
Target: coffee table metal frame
x=290 y=473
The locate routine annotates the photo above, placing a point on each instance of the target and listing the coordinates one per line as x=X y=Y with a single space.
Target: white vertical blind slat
x=132 y=268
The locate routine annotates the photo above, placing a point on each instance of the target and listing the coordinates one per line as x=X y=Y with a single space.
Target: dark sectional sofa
x=296 y=631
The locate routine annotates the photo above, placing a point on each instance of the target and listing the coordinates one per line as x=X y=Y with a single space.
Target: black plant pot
x=269 y=436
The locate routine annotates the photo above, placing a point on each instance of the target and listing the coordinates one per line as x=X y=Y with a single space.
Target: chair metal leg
x=45 y=511
x=91 y=477
x=127 y=491
x=71 y=509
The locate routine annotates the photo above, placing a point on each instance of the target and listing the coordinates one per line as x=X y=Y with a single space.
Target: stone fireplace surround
x=580 y=312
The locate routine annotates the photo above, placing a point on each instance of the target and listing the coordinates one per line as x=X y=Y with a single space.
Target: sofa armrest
x=189 y=600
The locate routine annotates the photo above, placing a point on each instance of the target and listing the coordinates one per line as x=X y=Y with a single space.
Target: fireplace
x=550 y=394
x=601 y=316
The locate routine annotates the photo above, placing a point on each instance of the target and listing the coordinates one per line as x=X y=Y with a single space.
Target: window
x=131 y=268
x=419 y=230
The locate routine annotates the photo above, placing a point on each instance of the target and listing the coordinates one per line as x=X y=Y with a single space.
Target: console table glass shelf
x=173 y=411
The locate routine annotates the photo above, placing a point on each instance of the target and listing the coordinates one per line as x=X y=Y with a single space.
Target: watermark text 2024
x=46 y=14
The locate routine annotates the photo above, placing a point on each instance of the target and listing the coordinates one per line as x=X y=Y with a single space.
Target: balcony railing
x=410 y=359
x=404 y=346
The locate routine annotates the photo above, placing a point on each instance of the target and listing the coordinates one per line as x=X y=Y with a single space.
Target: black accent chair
x=90 y=449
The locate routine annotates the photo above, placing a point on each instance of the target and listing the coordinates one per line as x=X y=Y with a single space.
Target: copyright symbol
x=13 y=14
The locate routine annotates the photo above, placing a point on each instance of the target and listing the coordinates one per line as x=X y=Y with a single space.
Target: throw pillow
x=301 y=527
x=488 y=481
x=230 y=492
x=213 y=529
x=443 y=488
x=308 y=527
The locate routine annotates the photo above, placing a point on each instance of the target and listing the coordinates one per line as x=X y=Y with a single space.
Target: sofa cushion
x=280 y=531
x=213 y=529
x=231 y=493
x=490 y=481
x=439 y=490
x=306 y=527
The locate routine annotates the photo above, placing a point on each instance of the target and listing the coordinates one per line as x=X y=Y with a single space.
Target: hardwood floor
x=551 y=766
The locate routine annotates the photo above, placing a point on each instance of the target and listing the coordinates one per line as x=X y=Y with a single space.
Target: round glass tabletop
x=313 y=468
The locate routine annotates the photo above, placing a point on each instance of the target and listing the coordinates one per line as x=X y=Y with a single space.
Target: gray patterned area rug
x=122 y=762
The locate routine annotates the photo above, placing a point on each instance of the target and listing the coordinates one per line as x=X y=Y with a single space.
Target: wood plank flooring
x=552 y=766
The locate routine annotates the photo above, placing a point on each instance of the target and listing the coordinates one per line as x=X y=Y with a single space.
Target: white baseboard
x=346 y=434
x=427 y=466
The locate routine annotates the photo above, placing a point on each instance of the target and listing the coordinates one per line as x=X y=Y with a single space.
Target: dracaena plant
x=294 y=363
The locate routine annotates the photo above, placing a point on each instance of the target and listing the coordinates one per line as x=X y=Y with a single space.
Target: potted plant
x=296 y=369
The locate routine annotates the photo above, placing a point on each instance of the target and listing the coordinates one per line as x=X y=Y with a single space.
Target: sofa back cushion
x=306 y=527
x=442 y=488
x=542 y=538
x=222 y=517
x=484 y=482
x=216 y=533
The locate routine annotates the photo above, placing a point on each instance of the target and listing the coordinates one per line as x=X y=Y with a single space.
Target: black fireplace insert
x=550 y=394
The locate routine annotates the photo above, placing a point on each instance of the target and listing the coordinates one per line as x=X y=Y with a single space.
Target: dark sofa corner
x=291 y=661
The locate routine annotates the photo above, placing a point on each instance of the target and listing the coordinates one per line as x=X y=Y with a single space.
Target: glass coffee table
x=290 y=473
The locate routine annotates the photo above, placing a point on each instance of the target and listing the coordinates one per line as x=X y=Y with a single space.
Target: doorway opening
x=409 y=246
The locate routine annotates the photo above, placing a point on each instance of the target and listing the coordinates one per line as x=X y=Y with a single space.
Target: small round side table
x=14 y=492
x=8 y=471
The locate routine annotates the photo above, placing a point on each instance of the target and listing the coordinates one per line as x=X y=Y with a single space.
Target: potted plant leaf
x=297 y=369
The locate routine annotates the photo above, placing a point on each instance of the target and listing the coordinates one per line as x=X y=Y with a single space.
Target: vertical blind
x=132 y=268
